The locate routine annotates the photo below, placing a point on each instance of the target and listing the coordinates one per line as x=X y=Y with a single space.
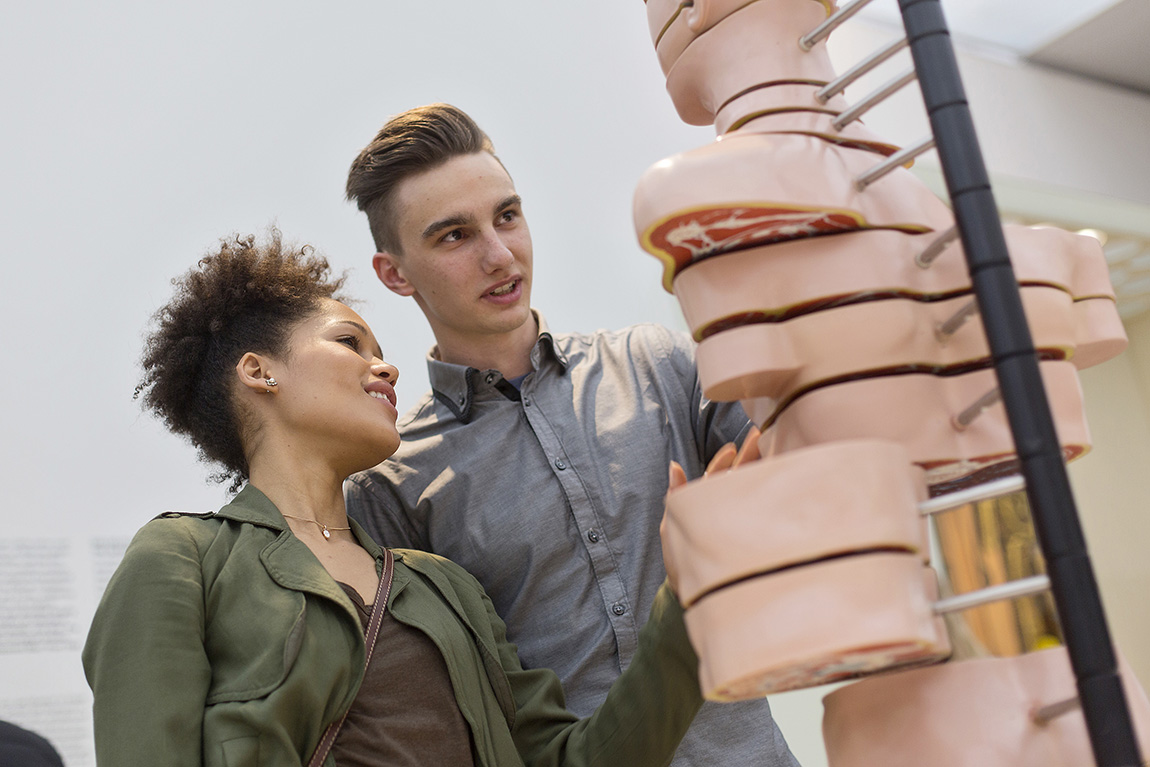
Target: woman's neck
x=301 y=490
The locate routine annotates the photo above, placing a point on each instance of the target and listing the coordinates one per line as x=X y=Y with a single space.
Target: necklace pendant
x=326 y=532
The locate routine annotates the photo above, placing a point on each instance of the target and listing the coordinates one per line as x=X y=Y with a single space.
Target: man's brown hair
x=414 y=141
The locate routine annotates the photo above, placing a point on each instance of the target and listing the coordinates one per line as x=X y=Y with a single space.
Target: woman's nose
x=386 y=371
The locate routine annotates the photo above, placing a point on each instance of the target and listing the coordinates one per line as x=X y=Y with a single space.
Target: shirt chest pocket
x=253 y=640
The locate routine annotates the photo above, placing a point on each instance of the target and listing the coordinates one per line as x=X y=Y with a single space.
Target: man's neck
x=509 y=353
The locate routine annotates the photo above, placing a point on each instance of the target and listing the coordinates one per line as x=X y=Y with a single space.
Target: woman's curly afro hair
x=246 y=296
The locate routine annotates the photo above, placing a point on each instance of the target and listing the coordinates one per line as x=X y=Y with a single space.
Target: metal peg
x=935 y=249
x=947 y=329
x=840 y=83
x=1047 y=714
x=819 y=33
x=896 y=160
x=861 y=108
x=1023 y=587
x=966 y=417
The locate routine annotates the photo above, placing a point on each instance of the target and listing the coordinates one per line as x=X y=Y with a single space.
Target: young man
x=539 y=460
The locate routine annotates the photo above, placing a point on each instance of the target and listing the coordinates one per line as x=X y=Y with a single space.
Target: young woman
x=238 y=637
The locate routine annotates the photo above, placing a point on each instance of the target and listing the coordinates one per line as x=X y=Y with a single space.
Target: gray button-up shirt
x=551 y=496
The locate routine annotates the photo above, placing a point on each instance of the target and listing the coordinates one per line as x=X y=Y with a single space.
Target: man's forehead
x=464 y=187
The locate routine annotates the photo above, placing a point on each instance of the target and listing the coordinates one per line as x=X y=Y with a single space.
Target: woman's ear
x=254 y=373
x=388 y=270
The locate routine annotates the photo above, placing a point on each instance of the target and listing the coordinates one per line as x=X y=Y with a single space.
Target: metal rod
x=1047 y=714
x=947 y=329
x=840 y=83
x=935 y=249
x=972 y=495
x=862 y=107
x=1059 y=532
x=1024 y=587
x=810 y=39
x=966 y=417
x=896 y=160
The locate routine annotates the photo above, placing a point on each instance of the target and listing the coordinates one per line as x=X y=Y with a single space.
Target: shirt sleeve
x=641 y=722
x=145 y=658
x=715 y=423
x=372 y=502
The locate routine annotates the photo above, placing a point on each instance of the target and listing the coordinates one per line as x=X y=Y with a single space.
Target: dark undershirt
x=405 y=713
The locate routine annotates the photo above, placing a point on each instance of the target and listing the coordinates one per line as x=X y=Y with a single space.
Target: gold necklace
x=323 y=528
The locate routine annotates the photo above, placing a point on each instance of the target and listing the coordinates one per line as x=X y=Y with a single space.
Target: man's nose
x=496 y=254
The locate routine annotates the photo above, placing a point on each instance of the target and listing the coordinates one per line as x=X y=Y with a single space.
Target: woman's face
x=334 y=393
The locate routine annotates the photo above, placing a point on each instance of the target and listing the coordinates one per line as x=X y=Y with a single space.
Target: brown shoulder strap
x=377 y=611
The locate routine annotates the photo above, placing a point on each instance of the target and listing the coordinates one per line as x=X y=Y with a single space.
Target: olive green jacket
x=222 y=640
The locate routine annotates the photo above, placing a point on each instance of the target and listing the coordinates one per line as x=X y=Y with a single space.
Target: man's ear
x=387 y=268
x=254 y=372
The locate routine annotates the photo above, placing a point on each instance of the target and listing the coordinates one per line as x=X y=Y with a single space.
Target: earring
x=270 y=382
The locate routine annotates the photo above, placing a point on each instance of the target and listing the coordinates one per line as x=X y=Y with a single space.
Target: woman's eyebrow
x=365 y=331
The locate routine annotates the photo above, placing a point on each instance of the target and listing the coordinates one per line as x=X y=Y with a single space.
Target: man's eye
x=508 y=216
x=455 y=235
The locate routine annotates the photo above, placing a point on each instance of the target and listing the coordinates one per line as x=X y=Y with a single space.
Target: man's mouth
x=505 y=289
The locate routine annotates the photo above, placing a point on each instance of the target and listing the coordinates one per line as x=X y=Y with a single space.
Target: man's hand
x=727 y=457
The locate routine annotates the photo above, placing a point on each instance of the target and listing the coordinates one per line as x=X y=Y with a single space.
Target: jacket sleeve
x=144 y=658
x=645 y=715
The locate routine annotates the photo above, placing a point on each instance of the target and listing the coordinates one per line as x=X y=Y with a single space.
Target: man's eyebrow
x=444 y=223
x=458 y=219
x=510 y=201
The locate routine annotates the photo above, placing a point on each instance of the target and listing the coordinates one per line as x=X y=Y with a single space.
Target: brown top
x=405 y=712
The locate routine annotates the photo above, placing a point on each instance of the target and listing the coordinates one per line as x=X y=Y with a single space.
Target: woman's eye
x=351 y=341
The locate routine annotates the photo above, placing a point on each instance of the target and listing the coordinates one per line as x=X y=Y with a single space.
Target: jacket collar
x=456 y=385
x=288 y=560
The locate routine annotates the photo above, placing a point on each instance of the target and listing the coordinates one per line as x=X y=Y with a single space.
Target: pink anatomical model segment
x=769 y=515
x=752 y=189
x=781 y=360
x=685 y=19
x=815 y=624
x=793 y=108
x=971 y=713
x=785 y=280
x=757 y=44
x=1102 y=336
x=919 y=411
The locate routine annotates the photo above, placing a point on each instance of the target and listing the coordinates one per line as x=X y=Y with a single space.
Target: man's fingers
x=723 y=460
x=750 y=449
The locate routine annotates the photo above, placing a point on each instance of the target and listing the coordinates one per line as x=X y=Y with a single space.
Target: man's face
x=466 y=249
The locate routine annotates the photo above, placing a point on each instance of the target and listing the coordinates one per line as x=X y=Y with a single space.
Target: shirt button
x=490 y=377
x=526 y=402
x=559 y=464
x=618 y=608
x=593 y=536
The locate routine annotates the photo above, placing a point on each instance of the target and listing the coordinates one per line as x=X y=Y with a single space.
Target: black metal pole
x=1052 y=506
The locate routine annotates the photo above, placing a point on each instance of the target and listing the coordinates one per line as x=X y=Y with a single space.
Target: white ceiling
x=1101 y=39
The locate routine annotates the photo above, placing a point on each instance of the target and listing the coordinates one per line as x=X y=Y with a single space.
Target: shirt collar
x=455 y=385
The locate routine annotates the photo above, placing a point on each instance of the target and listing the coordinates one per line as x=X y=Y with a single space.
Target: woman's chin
x=372 y=458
